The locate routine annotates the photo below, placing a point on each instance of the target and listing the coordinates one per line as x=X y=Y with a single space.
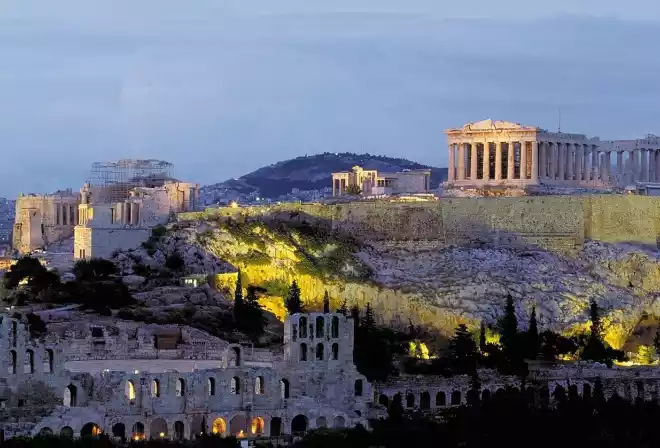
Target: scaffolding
x=117 y=179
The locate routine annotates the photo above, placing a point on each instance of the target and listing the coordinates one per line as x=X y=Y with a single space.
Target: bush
x=94 y=269
x=174 y=262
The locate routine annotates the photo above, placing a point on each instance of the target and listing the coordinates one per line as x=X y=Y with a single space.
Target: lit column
x=644 y=174
x=577 y=167
x=603 y=168
x=652 y=162
x=486 y=162
x=535 y=162
x=552 y=148
x=543 y=163
x=586 y=156
x=461 y=161
x=452 y=167
x=619 y=168
x=570 y=161
x=657 y=165
x=523 y=160
x=561 y=174
x=594 y=163
x=473 y=163
x=633 y=166
x=498 y=161
x=510 y=160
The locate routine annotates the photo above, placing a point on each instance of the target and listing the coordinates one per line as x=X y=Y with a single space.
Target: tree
x=353 y=190
x=463 y=351
x=482 y=337
x=326 y=302
x=531 y=338
x=595 y=349
x=368 y=321
x=656 y=340
x=174 y=262
x=395 y=409
x=509 y=329
x=355 y=315
x=94 y=269
x=343 y=309
x=251 y=319
x=293 y=302
x=238 y=298
x=38 y=277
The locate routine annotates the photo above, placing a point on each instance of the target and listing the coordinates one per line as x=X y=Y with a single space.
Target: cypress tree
x=293 y=303
x=595 y=349
x=532 y=336
x=238 y=298
x=656 y=340
x=343 y=309
x=482 y=337
x=509 y=329
x=368 y=321
x=326 y=302
x=463 y=350
x=395 y=409
x=355 y=315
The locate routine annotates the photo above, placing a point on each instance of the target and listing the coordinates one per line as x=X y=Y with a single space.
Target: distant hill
x=315 y=172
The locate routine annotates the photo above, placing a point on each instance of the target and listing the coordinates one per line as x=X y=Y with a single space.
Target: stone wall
x=558 y=223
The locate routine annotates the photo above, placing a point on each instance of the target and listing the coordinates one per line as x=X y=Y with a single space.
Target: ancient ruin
x=373 y=183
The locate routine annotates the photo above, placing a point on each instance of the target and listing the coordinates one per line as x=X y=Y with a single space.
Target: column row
x=638 y=165
x=576 y=162
x=484 y=161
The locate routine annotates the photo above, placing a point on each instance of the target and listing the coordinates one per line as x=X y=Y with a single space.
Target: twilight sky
x=222 y=87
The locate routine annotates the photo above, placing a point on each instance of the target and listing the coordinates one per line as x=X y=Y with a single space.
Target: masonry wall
x=102 y=242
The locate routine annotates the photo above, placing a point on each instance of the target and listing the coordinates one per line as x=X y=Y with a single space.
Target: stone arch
x=66 y=432
x=236 y=358
x=238 y=425
x=90 y=430
x=299 y=424
x=235 y=385
x=320 y=349
x=303 y=352
x=276 y=427
x=335 y=351
x=257 y=426
x=440 y=399
x=138 y=431
x=485 y=395
x=334 y=332
x=339 y=422
x=573 y=392
x=158 y=428
x=198 y=426
x=210 y=383
x=321 y=422
x=70 y=396
x=425 y=400
x=119 y=431
x=544 y=396
x=586 y=391
x=358 y=387
x=180 y=387
x=383 y=400
x=455 y=398
x=284 y=388
x=559 y=394
x=302 y=324
x=320 y=324
x=155 y=388
x=13 y=360
x=49 y=361
x=219 y=426
x=259 y=385
x=410 y=400
x=130 y=390
x=500 y=393
x=45 y=432
x=179 y=430
x=28 y=367
x=472 y=397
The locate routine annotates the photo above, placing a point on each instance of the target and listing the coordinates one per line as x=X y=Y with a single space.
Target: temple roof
x=489 y=124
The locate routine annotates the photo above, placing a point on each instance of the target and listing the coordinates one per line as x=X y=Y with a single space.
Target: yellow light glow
x=162 y=434
x=241 y=434
x=233 y=204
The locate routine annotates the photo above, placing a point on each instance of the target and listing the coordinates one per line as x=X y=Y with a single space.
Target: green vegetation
x=293 y=302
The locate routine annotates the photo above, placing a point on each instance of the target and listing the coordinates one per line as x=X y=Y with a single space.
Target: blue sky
x=221 y=88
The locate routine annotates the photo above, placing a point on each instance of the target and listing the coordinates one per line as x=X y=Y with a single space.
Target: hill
x=314 y=173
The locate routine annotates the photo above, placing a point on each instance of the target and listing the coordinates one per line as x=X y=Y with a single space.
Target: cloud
x=222 y=90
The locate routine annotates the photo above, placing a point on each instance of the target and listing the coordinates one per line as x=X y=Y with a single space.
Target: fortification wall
x=558 y=223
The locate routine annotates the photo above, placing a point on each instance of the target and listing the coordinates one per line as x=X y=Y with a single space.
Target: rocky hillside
x=433 y=287
x=314 y=173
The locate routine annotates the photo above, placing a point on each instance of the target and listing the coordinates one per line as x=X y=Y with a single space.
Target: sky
x=223 y=87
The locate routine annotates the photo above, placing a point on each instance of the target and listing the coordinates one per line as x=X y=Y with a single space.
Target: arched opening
x=179 y=430
x=236 y=358
x=275 y=427
x=321 y=422
x=358 y=388
x=544 y=396
x=130 y=390
x=235 y=385
x=335 y=351
x=455 y=398
x=29 y=362
x=440 y=399
x=238 y=426
x=303 y=352
x=383 y=400
x=90 y=430
x=335 y=327
x=500 y=394
x=319 y=352
x=12 y=362
x=586 y=391
x=210 y=383
x=302 y=324
x=320 y=323
x=299 y=424
x=530 y=396
x=259 y=385
x=219 y=427
x=485 y=395
x=119 y=431
x=425 y=401
x=66 y=432
x=158 y=429
x=472 y=397
x=137 y=432
x=410 y=400
x=46 y=432
x=197 y=426
x=49 y=361
x=340 y=422
x=70 y=396
x=155 y=388
x=284 y=388
x=559 y=394
x=257 y=426
x=180 y=387
x=573 y=392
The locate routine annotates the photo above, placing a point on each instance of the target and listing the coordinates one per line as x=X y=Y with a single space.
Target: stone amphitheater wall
x=559 y=223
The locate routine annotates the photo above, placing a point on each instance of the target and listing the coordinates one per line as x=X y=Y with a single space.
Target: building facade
x=373 y=183
x=137 y=381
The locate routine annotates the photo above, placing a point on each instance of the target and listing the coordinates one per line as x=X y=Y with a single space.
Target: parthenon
x=501 y=153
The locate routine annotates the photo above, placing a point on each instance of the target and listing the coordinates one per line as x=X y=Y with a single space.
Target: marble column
x=486 y=162
x=452 y=169
x=633 y=166
x=498 y=161
x=510 y=152
x=594 y=163
x=543 y=162
x=577 y=167
x=561 y=148
x=552 y=149
x=461 y=161
x=657 y=165
x=603 y=168
x=619 y=167
x=523 y=159
x=570 y=161
x=586 y=155
x=473 y=162
x=652 y=162
x=644 y=175
x=535 y=162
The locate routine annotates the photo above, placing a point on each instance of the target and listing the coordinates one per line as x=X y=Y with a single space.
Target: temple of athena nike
x=501 y=153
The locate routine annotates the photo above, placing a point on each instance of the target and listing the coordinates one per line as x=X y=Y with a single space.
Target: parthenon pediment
x=492 y=124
